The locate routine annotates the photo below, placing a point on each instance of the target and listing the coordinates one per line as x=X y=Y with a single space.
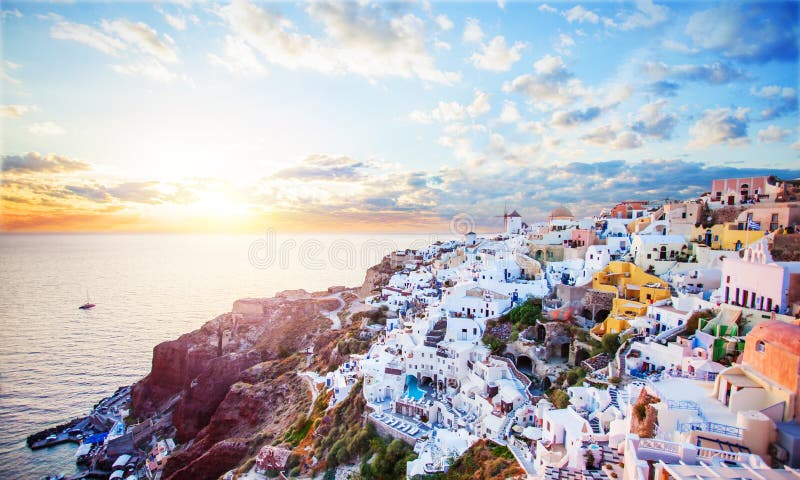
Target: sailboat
x=88 y=304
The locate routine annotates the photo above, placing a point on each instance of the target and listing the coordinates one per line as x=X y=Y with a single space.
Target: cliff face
x=232 y=385
x=378 y=275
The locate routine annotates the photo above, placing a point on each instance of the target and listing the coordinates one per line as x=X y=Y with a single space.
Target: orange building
x=768 y=379
x=626 y=209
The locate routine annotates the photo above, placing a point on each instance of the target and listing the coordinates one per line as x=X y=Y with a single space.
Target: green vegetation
x=340 y=437
x=481 y=461
x=559 y=398
x=611 y=343
x=576 y=376
x=352 y=345
x=526 y=314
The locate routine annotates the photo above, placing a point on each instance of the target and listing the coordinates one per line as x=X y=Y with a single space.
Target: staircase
x=595 y=424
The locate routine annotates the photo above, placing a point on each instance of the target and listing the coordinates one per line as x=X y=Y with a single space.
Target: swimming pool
x=413 y=390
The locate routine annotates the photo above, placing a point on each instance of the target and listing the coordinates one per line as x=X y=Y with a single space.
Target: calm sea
x=57 y=361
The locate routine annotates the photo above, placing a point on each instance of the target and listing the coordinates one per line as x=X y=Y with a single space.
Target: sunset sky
x=206 y=116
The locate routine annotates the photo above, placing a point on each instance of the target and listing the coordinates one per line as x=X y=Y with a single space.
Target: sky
x=365 y=116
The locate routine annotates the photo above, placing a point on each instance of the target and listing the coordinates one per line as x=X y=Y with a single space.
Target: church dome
x=561 y=212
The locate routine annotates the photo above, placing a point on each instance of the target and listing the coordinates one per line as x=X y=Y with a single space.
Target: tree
x=611 y=343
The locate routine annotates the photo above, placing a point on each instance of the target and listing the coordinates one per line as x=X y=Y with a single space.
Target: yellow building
x=726 y=236
x=633 y=289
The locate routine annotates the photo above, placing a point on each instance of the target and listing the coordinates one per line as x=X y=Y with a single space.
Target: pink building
x=734 y=191
x=581 y=237
x=756 y=281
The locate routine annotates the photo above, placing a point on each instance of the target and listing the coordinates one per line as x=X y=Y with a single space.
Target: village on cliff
x=654 y=340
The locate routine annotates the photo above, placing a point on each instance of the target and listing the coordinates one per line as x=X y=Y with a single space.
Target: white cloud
x=444 y=112
x=581 y=15
x=563 y=44
x=238 y=58
x=716 y=73
x=176 y=22
x=676 y=46
x=654 y=122
x=150 y=69
x=648 y=14
x=609 y=136
x=5 y=67
x=720 y=126
x=89 y=36
x=440 y=45
x=496 y=56
x=359 y=39
x=11 y=13
x=551 y=85
x=444 y=22
x=472 y=31
x=547 y=8
x=773 y=134
x=510 y=114
x=144 y=38
x=46 y=128
x=16 y=111
x=479 y=105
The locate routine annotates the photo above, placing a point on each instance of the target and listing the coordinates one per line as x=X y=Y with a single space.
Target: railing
x=711 y=427
x=660 y=445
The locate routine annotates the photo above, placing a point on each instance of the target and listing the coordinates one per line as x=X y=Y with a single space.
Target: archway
x=601 y=315
x=541 y=332
x=581 y=355
x=565 y=350
x=662 y=254
x=525 y=364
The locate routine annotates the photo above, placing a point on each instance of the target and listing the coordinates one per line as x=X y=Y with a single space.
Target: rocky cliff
x=232 y=385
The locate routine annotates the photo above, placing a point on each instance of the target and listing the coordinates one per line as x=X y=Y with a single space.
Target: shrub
x=611 y=343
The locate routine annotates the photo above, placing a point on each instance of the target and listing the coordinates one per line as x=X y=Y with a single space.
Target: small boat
x=88 y=304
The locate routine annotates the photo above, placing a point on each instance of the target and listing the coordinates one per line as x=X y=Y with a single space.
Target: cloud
x=720 y=126
x=10 y=13
x=653 y=122
x=551 y=85
x=142 y=37
x=581 y=15
x=16 y=111
x=716 y=73
x=5 y=76
x=496 y=56
x=148 y=68
x=444 y=22
x=572 y=118
x=676 y=46
x=325 y=168
x=783 y=100
x=773 y=134
x=46 y=128
x=35 y=162
x=547 y=8
x=750 y=32
x=647 y=14
x=238 y=58
x=564 y=43
x=510 y=114
x=175 y=21
x=89 y=36
x=448 y=112
x=606 y=135
x=472 y=31
x=358 y=39
x=479 y=105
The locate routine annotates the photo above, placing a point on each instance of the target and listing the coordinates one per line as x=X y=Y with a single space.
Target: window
x=761 y=346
